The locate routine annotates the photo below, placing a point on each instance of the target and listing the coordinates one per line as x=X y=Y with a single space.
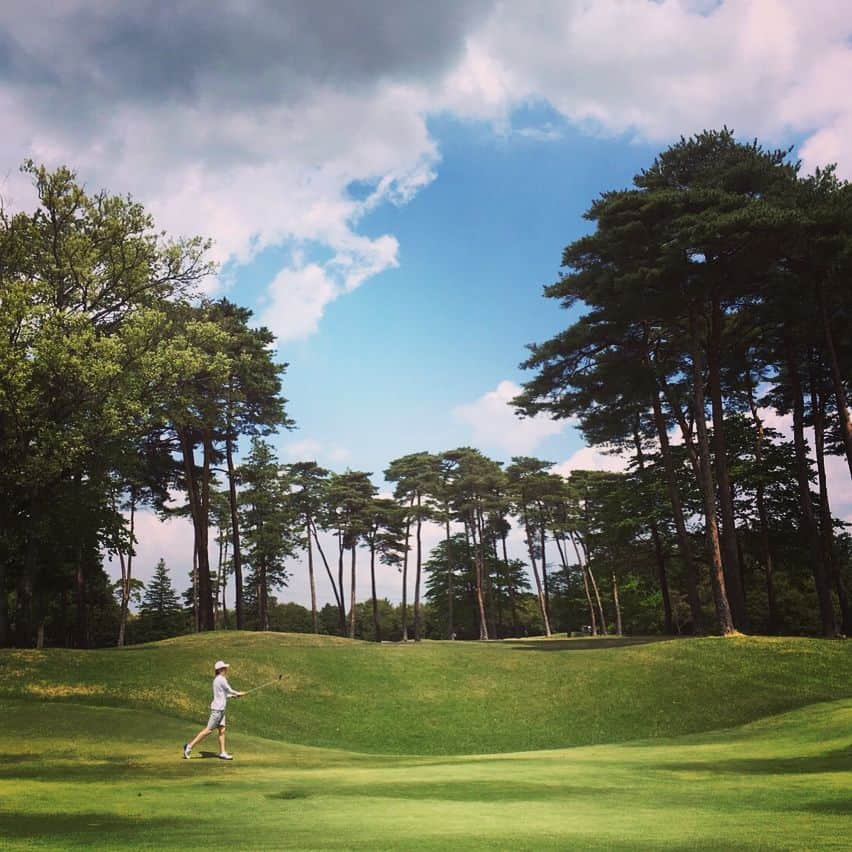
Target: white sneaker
x=223 y=755
x=187 y=750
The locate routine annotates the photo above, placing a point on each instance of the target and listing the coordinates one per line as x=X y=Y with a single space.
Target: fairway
x=87 y=759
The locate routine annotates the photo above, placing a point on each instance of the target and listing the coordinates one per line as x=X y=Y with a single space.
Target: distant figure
x=221 y=693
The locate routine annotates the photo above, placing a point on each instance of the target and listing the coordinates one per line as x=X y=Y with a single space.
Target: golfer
x=221 y=693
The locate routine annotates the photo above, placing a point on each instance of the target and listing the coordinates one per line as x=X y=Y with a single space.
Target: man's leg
x=221 y=739
x=200 y=736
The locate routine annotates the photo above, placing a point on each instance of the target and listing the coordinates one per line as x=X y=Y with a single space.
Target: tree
x=251 y=403
x=384 y=534
x=349 y=496
x=84 y=281
x=416 y=477
x=160 y=615
x=308 y=482
x=270 y=533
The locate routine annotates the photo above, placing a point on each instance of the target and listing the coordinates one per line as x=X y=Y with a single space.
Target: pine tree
x=160 y=614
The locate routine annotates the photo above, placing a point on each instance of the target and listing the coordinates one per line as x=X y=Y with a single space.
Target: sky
x=390 y=184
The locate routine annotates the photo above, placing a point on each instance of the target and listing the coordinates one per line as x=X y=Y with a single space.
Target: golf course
x=709 y=743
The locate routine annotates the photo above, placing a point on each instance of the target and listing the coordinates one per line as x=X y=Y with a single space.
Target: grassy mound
x=77 y=776
x=448 y=698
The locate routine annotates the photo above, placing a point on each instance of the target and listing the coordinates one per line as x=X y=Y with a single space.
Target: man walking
x=222 y=691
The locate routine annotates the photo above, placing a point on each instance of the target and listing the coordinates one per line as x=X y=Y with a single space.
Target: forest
x=708 y=348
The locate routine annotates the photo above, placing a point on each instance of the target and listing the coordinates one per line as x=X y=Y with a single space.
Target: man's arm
x=232 y=693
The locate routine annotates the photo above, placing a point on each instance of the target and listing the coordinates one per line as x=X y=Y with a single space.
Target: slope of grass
x=76 y=776
x=448 y=698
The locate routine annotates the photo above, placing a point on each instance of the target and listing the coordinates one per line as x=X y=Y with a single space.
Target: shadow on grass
x=832 y=806
x=582 y=644
x=463 y=791
x=832 y=761
x=64 y=825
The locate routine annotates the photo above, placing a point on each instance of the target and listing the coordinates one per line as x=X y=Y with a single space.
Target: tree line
x=708 y=296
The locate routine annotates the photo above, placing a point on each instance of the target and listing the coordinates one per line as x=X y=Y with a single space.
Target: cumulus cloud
x=591 y=458
x=494 y=424
x=765 y=67
x=250 y=125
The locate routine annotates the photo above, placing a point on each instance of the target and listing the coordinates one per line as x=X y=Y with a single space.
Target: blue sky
x=390 y=184
x=391 y=362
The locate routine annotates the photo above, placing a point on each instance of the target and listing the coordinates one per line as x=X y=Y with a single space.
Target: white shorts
x=216 y=720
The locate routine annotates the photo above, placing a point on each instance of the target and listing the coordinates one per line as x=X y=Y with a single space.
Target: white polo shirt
x=221 y=692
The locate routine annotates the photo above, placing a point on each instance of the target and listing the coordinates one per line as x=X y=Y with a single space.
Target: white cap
x=220 y=664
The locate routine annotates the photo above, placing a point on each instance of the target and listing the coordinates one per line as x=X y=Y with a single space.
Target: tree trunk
x=126 y=575
x=708 y=490
x=237 y=556
x=195 y=586
x=684 y=544
x=404 y=612
x=510 y=588
x=327 y=568
x=27 y=580
x=376 y=625
x=826 y=523
x=583 y=567
x=730 y=556
x=655 y=537
x=595 y=588
x=262 y=597
x=418 y=615
x=477 y=560
x=821 y=583
x=199 y=507
x=226 y=621
x=82 y=627
x=617 y=603
x=4 y=605
x=340 y=551
x=488 y=588
x=220 y=568
x=763 y=517
x=543 y=539
x=312 y=579
x=451 y=631
x=542 y=603
x=844 y=420
x=352 y=592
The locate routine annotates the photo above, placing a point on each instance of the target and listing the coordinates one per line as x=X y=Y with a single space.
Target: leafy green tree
x=83 y=283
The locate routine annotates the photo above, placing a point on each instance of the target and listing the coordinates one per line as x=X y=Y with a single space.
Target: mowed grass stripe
x=449 y=698
x=73 y=776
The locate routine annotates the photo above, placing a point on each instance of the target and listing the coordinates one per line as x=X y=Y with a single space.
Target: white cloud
x=305 y=449
x=591 y=458
x=170 y=540
x=264 y=154
x=494 y=424
x=764 y=67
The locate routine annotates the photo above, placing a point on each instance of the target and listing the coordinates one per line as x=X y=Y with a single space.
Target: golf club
x=261 y=686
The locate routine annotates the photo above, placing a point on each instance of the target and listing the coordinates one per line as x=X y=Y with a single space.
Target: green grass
x=74 y=776
x=694 y=744
x=450 y=698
